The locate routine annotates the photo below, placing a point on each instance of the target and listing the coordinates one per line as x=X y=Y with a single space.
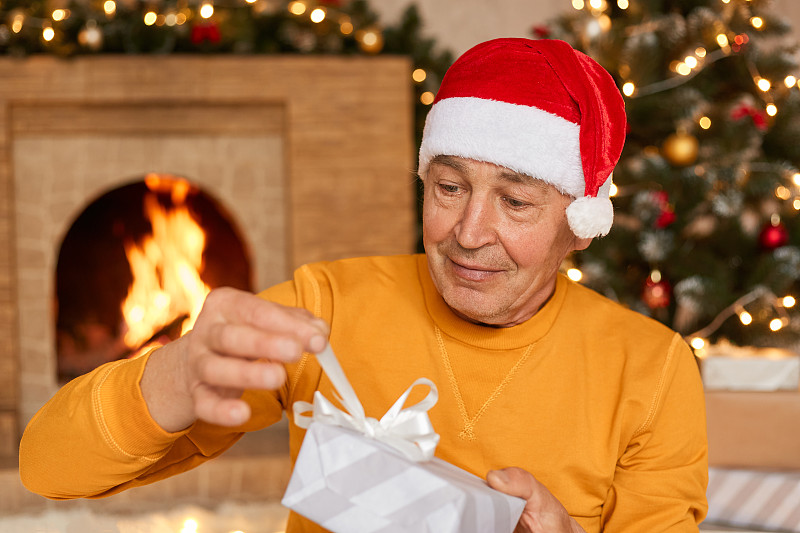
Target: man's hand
x=238 y=342
x=543 y=513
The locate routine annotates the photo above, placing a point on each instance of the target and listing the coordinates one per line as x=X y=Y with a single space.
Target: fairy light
x=59 y=14
x=613 y=190
x=578 y=4
x=757 y=22
x=318 y=15
x=16 y=24
x=690 y=61
x=207 y=10
x=745 y=317
x=789 y=81
x=623 y=4
x=419 y=75
x=722 y=40
x=683 y=69
x=775 y=324
x=796 y=178
x=190 y=525
x=697 y=343
x=574 y=274
x=628 y=88
x=171 y=19
x=700 y=52
x=345 y=26
x=763 y=84
x=771 y=110
x=796 y=204
x=704 y=122
x=297 y=8
x=48 y=33
x=427 y=98
x=109 y=7
x=788 y=301
x=150 y=18
x=596 y=4
x=782 y=192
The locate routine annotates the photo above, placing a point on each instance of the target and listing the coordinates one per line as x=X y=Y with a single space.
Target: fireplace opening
x=134 y=269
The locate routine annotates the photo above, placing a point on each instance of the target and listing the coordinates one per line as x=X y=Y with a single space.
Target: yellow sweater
x=604 y=406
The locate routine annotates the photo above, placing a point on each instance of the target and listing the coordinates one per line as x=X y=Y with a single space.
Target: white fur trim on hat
x=522 y=138
x=591 y=217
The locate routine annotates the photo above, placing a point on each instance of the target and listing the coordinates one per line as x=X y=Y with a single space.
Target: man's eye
x=448 y=187
x=512 y=202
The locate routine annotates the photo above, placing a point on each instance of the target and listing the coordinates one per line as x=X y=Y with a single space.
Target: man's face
x=494 y=239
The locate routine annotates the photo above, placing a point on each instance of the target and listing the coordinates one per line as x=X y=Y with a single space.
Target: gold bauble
x=680 y=149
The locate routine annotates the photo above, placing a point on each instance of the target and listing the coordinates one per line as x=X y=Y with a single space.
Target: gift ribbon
x=408 y=430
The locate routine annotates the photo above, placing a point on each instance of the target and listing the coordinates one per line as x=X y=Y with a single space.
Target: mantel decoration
x=71 y=27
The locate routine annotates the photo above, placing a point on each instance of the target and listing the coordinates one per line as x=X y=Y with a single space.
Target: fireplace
x=294 y=156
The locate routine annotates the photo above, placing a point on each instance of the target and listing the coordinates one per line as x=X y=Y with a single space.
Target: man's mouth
x=472 y=271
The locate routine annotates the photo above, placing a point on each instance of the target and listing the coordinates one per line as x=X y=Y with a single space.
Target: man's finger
x=240 y=374
x=215 y=409
x=235 y=306
x=242 y=340
x=513 y=481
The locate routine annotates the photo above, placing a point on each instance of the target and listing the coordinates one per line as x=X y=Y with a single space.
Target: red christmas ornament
x=206 y=32
x=656 y=294
x=667 y=215
x=759 y=118
x=773 y=235
x=541 y=32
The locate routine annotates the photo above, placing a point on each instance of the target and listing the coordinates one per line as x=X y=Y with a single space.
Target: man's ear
x=581 y=243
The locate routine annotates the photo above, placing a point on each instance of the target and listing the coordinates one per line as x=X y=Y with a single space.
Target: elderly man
x=590 y=412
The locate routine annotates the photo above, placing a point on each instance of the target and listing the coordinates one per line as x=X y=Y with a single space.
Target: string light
x=789 y=81
x=17 y=22
x=59 y=15
x=574 y=274
x=109 y=7
x=317 y=15
x=419 y=75
x=771 y=110
x=297 y=8
x=745 y=317
x=623 y=4
x=697 y=343
x=613 y=190
x=704 y=122
x=150 y=18
x=788 y=301
x=775 y=324
x=782 y=192
x=578 y=4
x=757 y=22
x=48 y=33
x=206 y=10
x=427 y=98
x=628 y=88
x=596 y=4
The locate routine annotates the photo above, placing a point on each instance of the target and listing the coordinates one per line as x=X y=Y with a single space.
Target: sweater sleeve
x=660 y=480
x=96 y=437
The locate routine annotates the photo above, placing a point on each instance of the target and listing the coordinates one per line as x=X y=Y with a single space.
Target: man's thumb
x=512 y=480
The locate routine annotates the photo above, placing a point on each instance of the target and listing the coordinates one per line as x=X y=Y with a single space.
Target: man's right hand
x=239 y=341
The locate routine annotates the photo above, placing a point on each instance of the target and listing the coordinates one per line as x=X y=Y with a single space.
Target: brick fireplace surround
x=303 y=152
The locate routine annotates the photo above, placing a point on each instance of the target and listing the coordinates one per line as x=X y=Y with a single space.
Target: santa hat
x=537 y=107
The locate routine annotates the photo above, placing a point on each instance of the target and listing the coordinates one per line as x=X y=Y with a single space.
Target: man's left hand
x=543 y=512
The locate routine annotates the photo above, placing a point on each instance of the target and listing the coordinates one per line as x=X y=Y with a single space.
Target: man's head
x=537 y=107
x=516 y=158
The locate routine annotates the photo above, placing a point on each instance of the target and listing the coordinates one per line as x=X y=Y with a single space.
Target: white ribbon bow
x=407 y=430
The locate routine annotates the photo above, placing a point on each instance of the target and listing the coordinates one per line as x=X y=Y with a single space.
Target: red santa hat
x=537 y=107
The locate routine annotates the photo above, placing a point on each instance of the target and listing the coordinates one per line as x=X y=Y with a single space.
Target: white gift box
x=754 y=499
x=728 y=367
x=349 y=483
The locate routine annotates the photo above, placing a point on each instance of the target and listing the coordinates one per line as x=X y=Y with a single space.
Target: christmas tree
x=708 y=188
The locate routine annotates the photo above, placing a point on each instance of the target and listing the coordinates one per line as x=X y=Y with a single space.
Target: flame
x=166 y=266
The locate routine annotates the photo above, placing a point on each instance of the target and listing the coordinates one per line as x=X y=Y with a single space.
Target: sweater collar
x=487 y=337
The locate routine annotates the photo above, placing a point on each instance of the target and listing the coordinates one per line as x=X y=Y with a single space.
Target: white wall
x=459 y=24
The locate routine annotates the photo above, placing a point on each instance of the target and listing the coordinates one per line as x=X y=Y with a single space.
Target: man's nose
x=476 y=227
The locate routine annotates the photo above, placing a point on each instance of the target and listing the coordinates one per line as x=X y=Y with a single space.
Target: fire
x=166 y=266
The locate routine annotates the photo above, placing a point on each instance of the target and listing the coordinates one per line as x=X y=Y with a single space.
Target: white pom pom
x=590 y=217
